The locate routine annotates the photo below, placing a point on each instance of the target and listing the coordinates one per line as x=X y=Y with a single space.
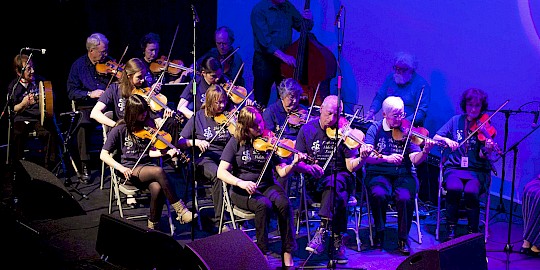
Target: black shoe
x=85 y=173
x=403 y=248
x=340 y=250
x=378 y=240
x=525 y=251
x=529 y=252
x=451 y=232
x=471 y=230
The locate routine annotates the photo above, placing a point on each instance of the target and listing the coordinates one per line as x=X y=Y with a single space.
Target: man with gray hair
x=84 y=86
x=405 y=83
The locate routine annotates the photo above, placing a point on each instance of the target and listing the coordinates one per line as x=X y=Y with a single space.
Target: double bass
x=315 y=64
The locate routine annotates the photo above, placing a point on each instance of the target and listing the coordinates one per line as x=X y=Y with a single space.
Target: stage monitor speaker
x=228 y=250
x=465 y=252
x=41 y=195
x=122 y=242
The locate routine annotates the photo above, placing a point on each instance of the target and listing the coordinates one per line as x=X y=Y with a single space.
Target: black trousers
x=403 y=189
x=324 y=192
x=21 y=131
x=266 y=72
x=208 y=169
x=263 y=204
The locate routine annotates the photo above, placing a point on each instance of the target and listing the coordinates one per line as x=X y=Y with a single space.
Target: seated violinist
x=467 y=169
x=211 y=73
x=130 y=137
x=288 y=105
x=150 y=45
x=314 y=140
x=228 y=56
x=132 y=82
x=254 y=189
x=391 y=173
x=210 y=138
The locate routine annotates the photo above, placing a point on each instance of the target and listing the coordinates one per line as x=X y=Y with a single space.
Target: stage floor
x=70 y=242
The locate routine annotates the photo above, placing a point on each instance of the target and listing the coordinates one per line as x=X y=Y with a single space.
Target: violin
x=486 y=131
x=157 y=102
x=298 y=118
x=284 y=148
x=352 y=138
x=110 y=67
x=237 y=94
x=227 y=119
x=174 y=67
x=418 y=134
x=161 y=140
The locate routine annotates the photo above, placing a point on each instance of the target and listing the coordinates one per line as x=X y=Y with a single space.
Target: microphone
x=535 y=121
x=338 y=15
x=35 y=50
x=195 y=15
x=70 y=113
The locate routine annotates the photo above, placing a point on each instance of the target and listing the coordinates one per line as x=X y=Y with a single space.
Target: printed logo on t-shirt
x=316 y=147
x=246 y=156
x=459 y=134
x=121 y=104
x=208 y=133
x=203 y=98
x=128 y=143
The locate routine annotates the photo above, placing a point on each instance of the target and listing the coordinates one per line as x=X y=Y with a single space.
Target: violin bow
x=118 y=66
x=313 y=102
x=274 y=147
x=412 y=122
x=482 y=125
x=170 y=50
x=229 y=56
x=235 y=78
x=339 y=141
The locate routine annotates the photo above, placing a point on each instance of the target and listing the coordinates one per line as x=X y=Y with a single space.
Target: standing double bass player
x=272 y=22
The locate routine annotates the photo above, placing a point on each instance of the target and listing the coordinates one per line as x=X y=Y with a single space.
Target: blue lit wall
x=494 y=46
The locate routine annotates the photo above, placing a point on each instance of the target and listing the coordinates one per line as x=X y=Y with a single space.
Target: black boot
x=85 y=173
x=451 y=231
x=403 y=247
x=473 y=218
x=379 y=240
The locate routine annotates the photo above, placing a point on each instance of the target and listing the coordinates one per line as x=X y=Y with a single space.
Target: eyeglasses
x=399 y=116
x=222 y=43
x=400 y=69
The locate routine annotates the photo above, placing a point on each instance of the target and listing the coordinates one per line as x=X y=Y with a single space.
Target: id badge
x=464 y=162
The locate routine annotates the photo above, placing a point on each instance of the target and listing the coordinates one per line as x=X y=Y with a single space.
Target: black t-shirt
x=248 y=163
x=206 y=129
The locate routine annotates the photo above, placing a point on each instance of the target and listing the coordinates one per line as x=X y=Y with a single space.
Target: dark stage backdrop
x=62 y=26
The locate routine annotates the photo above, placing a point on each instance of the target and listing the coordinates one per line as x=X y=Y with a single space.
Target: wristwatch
x=88 y=93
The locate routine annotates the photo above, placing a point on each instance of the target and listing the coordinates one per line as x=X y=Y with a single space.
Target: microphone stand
x=508 y=247
x=500 y=208
x=62 y=152
x=332 y=263
x=193 y=133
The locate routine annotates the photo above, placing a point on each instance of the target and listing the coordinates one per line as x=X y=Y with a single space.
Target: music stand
x=65 y=151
